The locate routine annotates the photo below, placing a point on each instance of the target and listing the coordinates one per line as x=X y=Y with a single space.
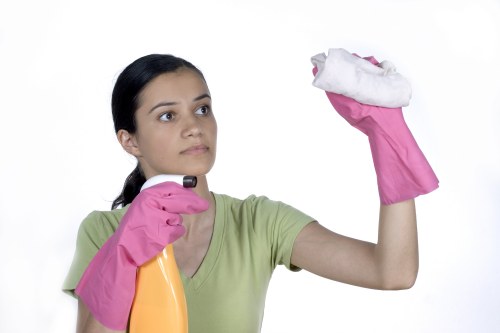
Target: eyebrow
x=202 y=96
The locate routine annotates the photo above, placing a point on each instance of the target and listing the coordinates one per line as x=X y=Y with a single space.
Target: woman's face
x=176 y=129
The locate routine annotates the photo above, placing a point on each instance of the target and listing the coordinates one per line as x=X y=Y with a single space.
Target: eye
x=167 y=116
x=203 y=110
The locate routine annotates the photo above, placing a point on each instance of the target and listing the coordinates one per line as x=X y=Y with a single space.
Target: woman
x=162 y=113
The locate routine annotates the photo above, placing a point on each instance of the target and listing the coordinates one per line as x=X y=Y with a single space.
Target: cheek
x=156 y=145
x=163 y=147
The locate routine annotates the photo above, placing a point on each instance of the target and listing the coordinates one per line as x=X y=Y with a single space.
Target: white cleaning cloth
x=346 y=74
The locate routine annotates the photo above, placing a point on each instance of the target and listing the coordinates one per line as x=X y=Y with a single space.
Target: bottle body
x=159 y=303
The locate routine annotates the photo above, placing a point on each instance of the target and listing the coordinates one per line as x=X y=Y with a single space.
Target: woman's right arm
x=86 y=323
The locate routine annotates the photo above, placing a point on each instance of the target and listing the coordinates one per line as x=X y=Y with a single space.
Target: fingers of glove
x=148 y=219
x=348 y=108
x=352 y=110
x=163 y=217
x=342 y=104
x=166 y=228
x=367 y=118
x=164 y=189
x=170 y=233
x=372 y=60
x=174 y=198
x=185 y=203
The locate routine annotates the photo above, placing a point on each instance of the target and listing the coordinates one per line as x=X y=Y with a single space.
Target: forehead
x=183 y=83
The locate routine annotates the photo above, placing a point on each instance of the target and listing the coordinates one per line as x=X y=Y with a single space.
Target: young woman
x=162 y=113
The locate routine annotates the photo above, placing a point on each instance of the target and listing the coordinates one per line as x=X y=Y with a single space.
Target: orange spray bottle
x=159 y=303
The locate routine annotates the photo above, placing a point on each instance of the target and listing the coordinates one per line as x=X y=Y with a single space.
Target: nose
x=191 y=127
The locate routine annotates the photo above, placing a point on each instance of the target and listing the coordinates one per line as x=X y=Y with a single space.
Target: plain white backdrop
x=278 y=136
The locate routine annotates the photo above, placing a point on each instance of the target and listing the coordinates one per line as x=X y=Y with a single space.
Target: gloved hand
x=152 y=221
x=402 y=170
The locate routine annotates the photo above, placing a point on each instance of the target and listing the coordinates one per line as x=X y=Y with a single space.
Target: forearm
x=396 y=252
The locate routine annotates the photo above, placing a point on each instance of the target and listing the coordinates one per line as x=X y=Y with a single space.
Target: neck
x=197 y=221
x=202 y=187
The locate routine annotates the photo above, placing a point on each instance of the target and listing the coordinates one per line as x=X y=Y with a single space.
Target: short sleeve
x=284 y=223
x=94 y=230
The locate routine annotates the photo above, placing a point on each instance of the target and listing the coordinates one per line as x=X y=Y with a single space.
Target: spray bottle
x=159 y=303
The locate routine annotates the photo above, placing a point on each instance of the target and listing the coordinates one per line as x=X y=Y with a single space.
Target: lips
x=195 y=150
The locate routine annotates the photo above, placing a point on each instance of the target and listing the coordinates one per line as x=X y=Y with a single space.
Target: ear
x=128 y=142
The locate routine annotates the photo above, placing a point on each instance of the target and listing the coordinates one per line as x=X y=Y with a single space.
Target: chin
x=199 y=173
x=194 y=171
x=201 y=170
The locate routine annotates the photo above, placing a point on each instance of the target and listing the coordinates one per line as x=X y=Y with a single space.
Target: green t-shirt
x=227 y=293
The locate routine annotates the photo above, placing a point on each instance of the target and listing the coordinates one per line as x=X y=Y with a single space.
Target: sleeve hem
x=288 y=262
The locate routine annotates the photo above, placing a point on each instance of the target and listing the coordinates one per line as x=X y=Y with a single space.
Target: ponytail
x=131 y=188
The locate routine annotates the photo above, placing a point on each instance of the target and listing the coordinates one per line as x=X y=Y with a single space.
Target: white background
x=278 y=136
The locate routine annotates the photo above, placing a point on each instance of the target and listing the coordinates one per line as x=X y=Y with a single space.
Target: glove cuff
x=402 y=170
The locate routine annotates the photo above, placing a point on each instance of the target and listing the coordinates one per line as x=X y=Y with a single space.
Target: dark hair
x=124 y=103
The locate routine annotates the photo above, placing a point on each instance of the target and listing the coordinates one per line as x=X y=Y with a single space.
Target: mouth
x=195 y=150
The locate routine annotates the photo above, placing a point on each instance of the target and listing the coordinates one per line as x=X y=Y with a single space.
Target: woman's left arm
x=391 y=263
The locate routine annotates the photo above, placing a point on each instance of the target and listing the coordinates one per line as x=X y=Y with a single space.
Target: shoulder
x=271 y=225
x=252 y=203
x=98 y=226
x=259 y=207
x=251 y=200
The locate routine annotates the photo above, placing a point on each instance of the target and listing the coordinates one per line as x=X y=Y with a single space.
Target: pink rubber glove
x=402 y=170
x=151 y=222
